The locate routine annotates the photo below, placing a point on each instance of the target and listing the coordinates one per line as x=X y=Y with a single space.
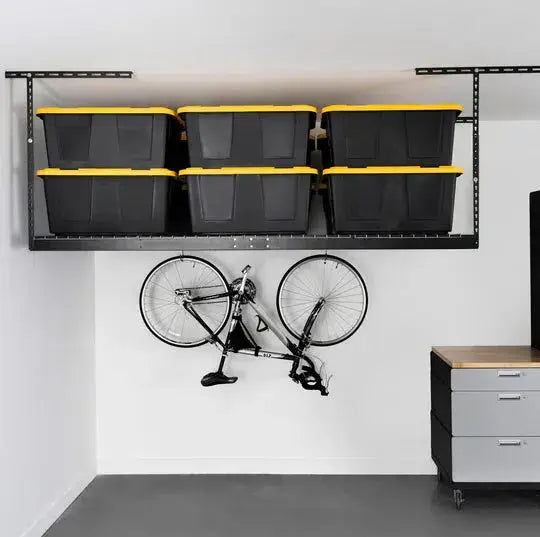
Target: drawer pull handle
x=509 y=373
x=509 y=442
x=509 y=396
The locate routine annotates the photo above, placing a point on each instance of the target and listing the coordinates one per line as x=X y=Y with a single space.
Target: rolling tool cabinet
x=485 y=410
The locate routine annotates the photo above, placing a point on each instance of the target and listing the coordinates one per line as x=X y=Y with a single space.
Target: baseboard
x=263 y=465
x=58 y=506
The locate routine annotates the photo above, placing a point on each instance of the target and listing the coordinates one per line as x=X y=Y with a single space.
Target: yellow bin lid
x=249 y=170
x=379 y=170
x=390 y=107
x=249 y=108
x=106 y=110
x=105 y=172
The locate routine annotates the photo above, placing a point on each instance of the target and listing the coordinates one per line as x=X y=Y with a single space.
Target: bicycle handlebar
x=309 y=378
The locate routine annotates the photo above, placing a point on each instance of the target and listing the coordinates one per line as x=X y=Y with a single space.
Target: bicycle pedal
x=215 y=378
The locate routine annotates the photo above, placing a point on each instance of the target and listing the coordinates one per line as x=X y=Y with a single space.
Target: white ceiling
x=276 y=51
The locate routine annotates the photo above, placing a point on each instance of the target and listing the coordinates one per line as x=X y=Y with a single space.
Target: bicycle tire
x=296 y=331
x=156 y=333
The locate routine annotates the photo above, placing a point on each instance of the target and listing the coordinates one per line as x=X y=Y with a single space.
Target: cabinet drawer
x=496 y=379
x=495 y=413
x=496 y=460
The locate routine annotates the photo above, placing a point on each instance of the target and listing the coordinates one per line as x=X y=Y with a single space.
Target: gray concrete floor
x=295 y=506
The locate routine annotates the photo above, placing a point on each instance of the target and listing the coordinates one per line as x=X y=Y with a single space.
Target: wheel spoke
x=296 y=293
x=341 y=317
x=170 y=304
x=333 y=288
x=152 y=297
x=300 y=290
x=299 y=304
x=179 y=277
x=305 y=310
x=345 y=307
x=340 y=285
x=168 y=281
x=163 y=312
x=340 y=288
x=161 y=286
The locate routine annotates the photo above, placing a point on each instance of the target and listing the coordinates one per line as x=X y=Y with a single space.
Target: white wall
x=47 y=366
x=279 y=51
x=212 y=36
x=153 y=415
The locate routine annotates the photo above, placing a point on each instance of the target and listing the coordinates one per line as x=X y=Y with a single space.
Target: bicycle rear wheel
x=332 y=279
x=161 y=300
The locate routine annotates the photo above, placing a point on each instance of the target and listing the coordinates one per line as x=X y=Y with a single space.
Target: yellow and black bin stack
x=111 y=169
x=249 y=168
x=390 y=167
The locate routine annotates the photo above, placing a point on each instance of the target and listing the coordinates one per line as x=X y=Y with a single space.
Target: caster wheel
x=458 y=499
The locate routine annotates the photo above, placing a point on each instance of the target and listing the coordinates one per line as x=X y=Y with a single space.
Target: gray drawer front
x=486 y=460
x=495 y=413
x=496 y=379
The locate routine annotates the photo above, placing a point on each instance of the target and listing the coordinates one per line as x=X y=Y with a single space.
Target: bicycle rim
x=162 y=309
x=338 y=283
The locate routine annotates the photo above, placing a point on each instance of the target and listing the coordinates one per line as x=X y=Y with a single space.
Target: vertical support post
x=476 y=154
x=30 y=156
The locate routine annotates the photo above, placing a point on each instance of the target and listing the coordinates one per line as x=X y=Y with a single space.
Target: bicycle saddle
x=212 y=379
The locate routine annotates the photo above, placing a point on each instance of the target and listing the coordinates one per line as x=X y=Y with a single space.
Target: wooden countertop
x=489 y=357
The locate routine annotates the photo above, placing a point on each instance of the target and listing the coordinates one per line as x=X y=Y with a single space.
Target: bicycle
x=186 y=301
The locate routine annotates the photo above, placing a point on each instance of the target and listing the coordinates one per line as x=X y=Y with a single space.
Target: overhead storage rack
x=309 y=241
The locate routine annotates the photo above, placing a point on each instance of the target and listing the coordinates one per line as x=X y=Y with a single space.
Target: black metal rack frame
x=259 y=242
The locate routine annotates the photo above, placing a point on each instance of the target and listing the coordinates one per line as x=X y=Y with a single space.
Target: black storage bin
x=258 y=136
x=112 y=137
x=405 y=199
x=249 y=200
x=107 y=201
x=391 y=135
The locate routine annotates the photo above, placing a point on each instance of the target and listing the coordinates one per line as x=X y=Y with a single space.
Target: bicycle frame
x=259 y=311
x=296 y=350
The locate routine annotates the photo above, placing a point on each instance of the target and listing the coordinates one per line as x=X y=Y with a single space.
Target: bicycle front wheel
x=162 y=298
x=341 y=287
